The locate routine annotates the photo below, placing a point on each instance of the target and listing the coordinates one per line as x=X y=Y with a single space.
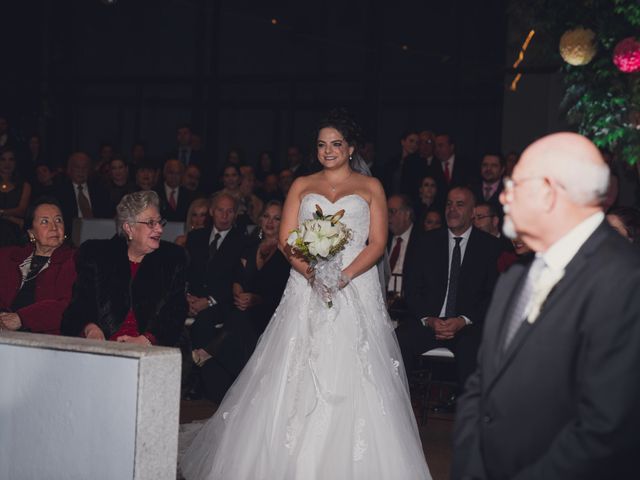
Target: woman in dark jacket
x=36 y=279
x=130 y=288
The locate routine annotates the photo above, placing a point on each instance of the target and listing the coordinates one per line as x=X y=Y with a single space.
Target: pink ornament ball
x=626 y=55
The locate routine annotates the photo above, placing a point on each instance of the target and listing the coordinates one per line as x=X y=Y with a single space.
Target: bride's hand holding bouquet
x=319 y=241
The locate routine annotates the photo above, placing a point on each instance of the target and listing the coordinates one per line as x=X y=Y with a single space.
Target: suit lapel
x=572 y=272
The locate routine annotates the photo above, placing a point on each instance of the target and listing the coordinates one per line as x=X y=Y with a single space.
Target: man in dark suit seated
x=214 y=255
x=402 y=239
x=174 y=199
x=489 y=188
x=79 y=196
x=448 y=284
x=486 y=218
x=556 y=392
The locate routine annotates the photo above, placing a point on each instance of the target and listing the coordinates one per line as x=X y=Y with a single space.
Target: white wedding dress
x=325 y=395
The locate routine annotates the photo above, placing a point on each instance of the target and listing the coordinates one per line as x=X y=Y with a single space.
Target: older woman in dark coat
x=36 y=279
x=130 y=288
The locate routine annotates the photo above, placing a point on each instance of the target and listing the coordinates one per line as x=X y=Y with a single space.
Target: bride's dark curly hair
x=342 y=120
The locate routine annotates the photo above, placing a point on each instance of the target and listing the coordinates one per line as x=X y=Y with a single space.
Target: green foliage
x=600 y=101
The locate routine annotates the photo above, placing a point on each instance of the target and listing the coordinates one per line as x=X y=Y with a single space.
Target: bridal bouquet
x=319 y=240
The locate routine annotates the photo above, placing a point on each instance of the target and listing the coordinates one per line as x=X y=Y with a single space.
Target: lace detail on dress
x=360 y=445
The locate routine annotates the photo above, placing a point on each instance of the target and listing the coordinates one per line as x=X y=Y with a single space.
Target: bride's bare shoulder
x=368 y=187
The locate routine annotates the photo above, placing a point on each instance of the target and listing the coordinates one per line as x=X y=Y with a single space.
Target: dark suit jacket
x=494 y=200
x=53 y=287
x=563 y=402
x=98 y=196
x=412 y=244
x=214 y=276
x=185 y=197
x=104 y=293
x=427 y=272
x=464 y=174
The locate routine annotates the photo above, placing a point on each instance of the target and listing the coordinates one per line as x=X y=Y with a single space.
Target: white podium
x=72 y=408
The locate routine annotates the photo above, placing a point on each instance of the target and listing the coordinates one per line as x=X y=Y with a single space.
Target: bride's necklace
x=336 y=185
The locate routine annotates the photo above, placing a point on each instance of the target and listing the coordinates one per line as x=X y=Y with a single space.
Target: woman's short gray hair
x=132 y=205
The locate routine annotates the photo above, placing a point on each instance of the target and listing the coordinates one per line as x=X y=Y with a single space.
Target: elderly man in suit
x=81 y=196
x=214 y=256
x=556 y=392
x=448 y=284
x=402 y=239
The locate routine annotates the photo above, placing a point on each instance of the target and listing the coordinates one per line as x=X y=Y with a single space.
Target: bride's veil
x=358 y=164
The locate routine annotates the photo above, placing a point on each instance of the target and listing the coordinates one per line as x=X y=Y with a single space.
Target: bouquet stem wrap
x=327 y=278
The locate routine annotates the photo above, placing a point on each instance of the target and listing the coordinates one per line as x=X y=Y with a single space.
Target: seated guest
x=214 y=254
x=432 y=220
x=429 y=197
x=130 y=288
x=519 y=253
x=47 y=181
x=626 y=220
x=270 y=189
x=448 y=284
x=401 y=240
x=486 y=218
x=249 y=201
x=146 y=176
x=174 y=199
x=197 y=217
x=36 y=279
x=118 y=184
x=260 y=279
x=80 y=196
x=14 y=198
x=490 y=186
x=191 y=180
x=265 y=166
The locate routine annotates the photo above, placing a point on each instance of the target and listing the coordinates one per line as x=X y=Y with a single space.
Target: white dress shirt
x=463 y=248
x=395 y=282
x=85 y=191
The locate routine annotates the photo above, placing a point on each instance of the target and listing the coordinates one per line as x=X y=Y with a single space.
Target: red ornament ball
x=626 y=55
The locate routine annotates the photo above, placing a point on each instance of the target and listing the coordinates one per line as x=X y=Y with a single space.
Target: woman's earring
x=350 y=158
x=32 y=239
x=66 y=236
x=260 y=234
x=130 y=238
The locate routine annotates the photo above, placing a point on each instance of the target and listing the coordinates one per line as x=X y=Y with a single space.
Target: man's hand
x=243 y=300
x=196 y=304
x=10 y=321
x=446 y=328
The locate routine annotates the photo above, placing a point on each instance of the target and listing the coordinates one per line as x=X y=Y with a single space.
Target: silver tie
x=524 y=298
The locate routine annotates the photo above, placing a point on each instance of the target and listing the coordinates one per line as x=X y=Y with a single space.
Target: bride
x=325 y=394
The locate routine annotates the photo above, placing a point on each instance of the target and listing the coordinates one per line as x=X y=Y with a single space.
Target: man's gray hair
x=586 y=183
x=223 y=194
x=132 y=205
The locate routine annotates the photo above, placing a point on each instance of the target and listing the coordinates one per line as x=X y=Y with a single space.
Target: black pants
x=415 y=339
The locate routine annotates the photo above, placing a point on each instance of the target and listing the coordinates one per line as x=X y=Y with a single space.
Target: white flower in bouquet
x=320 y=237
x=319 y=240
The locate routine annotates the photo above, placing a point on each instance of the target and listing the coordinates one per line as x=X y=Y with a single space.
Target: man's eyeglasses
x=151 y=223
x=510 y=183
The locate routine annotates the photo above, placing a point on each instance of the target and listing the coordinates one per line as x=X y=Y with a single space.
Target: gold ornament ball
x=578 y=46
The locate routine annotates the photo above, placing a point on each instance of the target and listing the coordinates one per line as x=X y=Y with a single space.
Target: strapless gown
x=325 y=394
